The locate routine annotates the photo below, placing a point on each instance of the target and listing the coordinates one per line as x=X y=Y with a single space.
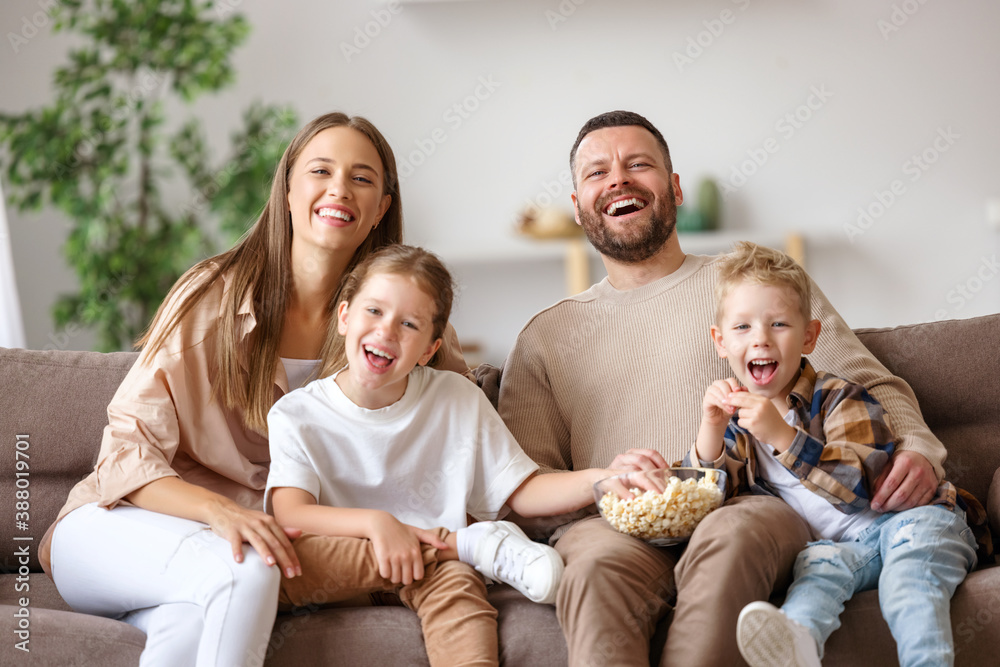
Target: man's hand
x=908 y=481
x=639 y=459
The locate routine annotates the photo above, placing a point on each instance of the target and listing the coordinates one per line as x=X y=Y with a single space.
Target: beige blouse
x=163 y=420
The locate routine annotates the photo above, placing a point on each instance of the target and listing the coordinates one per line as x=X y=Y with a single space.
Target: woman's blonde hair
x=422 y=266
x=259 y=267
x=759 y=265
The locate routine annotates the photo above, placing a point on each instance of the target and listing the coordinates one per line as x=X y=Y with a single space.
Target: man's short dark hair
x=617 y=119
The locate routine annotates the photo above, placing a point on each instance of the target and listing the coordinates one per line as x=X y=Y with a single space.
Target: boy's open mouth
x=378 y=358
x=762 y=370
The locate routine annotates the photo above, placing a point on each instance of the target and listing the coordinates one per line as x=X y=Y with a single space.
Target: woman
x=154 y=536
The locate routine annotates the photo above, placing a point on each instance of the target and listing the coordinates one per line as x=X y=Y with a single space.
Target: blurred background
x=863 y=129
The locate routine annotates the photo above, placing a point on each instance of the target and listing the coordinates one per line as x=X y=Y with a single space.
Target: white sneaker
x=768 y=638
x=504 y=553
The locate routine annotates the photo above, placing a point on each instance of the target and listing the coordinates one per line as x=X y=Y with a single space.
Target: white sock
x=466 y=539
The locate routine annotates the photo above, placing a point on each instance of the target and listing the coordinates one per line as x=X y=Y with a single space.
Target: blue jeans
x=916 y=558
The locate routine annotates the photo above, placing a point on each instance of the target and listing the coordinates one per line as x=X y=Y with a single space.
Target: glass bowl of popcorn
x=662 y=507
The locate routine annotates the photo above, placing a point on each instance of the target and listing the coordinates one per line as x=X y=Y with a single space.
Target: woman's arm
x=225 y=517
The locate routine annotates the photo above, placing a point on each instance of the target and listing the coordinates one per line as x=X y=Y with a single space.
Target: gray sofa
x=52 y=409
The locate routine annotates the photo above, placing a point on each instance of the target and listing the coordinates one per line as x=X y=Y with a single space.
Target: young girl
x=155 y=535
x=381 y=463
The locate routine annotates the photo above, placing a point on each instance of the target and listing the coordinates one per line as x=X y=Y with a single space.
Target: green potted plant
x=100 y=154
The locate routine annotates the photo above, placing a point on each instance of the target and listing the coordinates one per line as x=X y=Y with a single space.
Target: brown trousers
x=459 y=624
x=615 y=588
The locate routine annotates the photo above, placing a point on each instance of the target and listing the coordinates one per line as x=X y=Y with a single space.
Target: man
x=623 y=367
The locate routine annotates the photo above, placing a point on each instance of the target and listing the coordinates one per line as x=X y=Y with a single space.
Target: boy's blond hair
x=759 y=265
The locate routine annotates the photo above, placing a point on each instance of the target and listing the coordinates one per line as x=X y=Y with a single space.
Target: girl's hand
x=237 y=524
x=397 y=548
x=758 y=415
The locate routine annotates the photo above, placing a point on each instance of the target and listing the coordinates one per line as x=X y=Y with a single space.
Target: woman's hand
x=397 y=548
x=237 y=525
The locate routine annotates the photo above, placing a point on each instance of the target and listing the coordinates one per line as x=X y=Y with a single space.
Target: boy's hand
x=397 y=549
x=758 y=415
x=715 y=413
x=715 y=406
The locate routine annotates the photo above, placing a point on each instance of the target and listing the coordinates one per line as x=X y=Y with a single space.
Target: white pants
x=172 y=578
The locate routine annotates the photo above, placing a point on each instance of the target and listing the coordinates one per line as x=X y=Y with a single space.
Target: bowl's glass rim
x=646 y=472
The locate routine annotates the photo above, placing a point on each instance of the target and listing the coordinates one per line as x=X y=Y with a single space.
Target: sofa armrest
x=993 y=504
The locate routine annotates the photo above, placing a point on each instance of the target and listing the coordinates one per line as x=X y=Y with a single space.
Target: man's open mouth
x=625 y=206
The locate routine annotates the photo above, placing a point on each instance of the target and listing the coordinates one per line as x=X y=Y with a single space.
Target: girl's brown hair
x=422 y=266
x=259 y=267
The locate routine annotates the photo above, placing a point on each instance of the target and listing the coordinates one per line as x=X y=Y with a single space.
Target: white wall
x=881 y=92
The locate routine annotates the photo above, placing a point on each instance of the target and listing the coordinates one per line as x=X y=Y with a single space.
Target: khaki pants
x=458 y=623
x=615 y=588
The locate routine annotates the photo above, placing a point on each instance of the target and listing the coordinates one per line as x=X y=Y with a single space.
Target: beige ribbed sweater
x=608 y=370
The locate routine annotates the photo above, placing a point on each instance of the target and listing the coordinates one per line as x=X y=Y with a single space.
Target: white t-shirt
x=438 y=453
x=825 y=520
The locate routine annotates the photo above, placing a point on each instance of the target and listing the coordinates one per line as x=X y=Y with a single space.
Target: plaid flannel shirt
x=843 y=442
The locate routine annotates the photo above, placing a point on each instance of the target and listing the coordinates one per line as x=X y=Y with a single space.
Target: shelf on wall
x=577 y=252
x=515 y=249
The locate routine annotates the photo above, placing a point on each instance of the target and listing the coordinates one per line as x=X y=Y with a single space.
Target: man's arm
x=917 y=466
x=529 y=408
x=841 y=458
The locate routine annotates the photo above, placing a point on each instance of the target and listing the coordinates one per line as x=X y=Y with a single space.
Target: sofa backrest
x=53 y=410
x=953 y=367
x=58 y=400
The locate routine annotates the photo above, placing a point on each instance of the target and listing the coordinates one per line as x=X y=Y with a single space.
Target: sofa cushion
x=993 y=504
x=53 y=408
x=67 y=638
x=953 y=388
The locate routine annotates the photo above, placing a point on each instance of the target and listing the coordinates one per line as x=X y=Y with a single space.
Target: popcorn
x=671 y=514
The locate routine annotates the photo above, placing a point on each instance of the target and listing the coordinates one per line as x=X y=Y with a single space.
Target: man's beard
x=638 y=242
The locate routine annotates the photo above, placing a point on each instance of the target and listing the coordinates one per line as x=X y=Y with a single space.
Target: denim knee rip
x=903 y=534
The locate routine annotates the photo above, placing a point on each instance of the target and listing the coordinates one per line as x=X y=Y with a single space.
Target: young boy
x=820 y=442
